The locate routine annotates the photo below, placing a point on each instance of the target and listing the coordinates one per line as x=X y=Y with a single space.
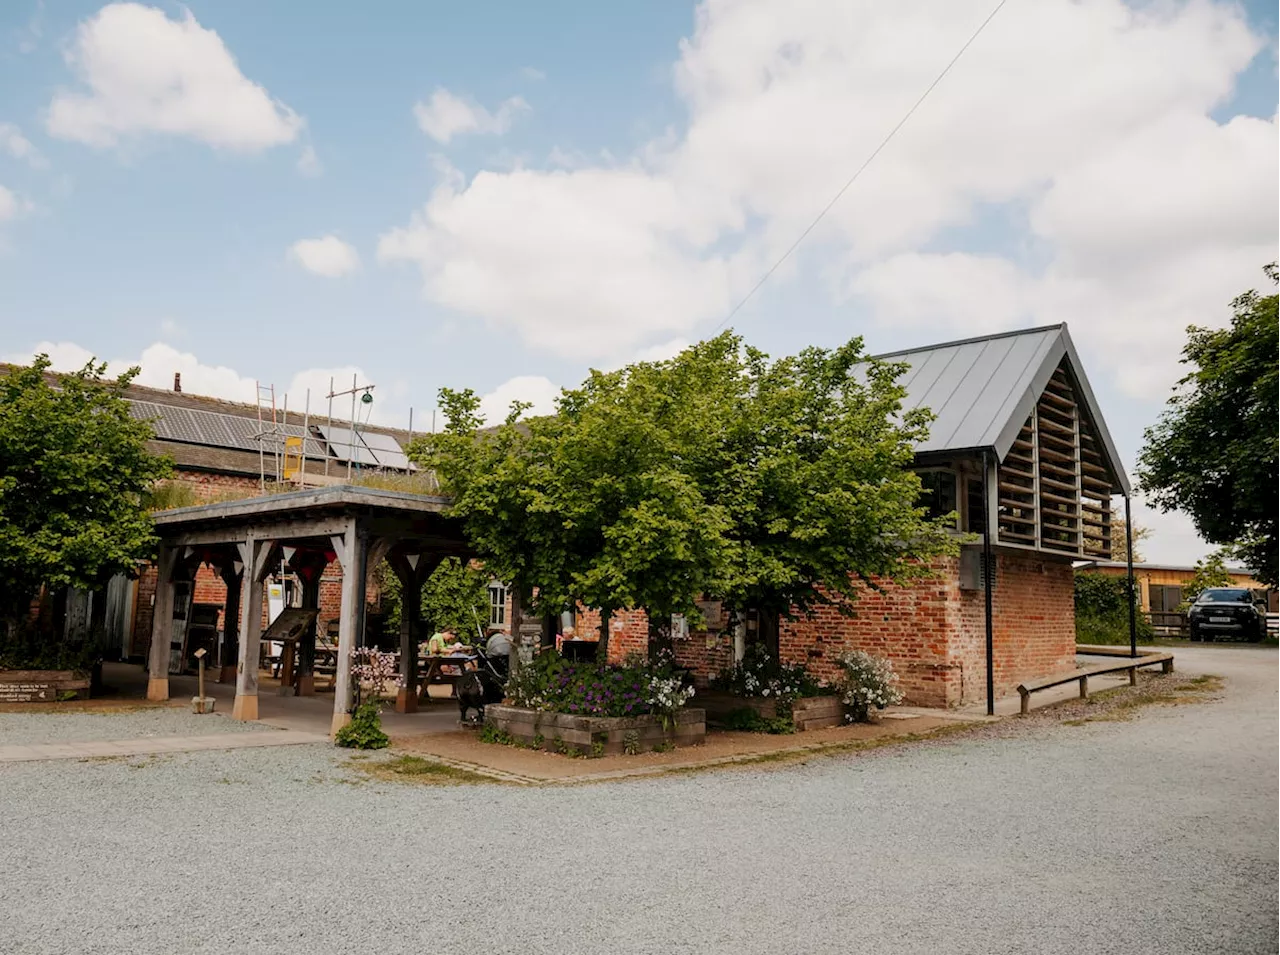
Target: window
x=1164 y=598
x=973 y=506
x=938 y=492
x=497 y=605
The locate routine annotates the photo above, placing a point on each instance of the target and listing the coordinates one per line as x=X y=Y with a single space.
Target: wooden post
x=1084 y=688
x=230 y=655
x=1133 y=676
x=256 y=556
x=412 y=570
x=350 y=547
x=161 y=626
x=307 y=642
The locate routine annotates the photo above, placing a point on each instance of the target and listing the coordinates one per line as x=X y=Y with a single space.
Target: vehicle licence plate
x=1219 y=619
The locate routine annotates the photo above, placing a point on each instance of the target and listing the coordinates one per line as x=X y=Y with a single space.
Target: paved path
x=149 y=746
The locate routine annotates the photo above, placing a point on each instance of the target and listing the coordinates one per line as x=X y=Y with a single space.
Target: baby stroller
x=486 y=684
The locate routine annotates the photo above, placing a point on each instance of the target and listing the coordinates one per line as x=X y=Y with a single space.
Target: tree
x=1120 y=541
x=499 y=480
x=1215 y=450
x=74 y=473
x=1210 y=571
x=778 y=486
x=454 y=598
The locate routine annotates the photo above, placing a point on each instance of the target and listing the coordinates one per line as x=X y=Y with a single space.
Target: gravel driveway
x=1156 y=835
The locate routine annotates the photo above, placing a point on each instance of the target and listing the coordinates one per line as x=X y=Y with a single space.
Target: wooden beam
x=161 y=625
x=253 y=554
x=354 y=546
x=240 y=532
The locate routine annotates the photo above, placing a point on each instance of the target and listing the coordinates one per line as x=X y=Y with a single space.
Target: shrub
x=758 y=674
x=747 y=720
x=365 y=729
x=555 y=685
x=867 y=680
x=1102 y=612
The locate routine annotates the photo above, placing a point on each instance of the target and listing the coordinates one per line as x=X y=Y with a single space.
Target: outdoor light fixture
x=367 y=398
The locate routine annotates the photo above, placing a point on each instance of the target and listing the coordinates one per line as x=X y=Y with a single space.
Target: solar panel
x=387 y=449
x=347 y=446
x=192 y=426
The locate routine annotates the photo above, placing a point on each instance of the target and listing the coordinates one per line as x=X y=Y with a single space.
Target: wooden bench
x=1130 y=664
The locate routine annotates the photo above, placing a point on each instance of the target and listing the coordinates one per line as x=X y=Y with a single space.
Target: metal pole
x=1133 y=595
x=329 y=423
x=987 y=575
x=306 y=433
x=351 y=451
x=410 y=422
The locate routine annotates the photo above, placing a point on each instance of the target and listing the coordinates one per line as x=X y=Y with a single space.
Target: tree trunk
x=602 y=651
x=513 y=627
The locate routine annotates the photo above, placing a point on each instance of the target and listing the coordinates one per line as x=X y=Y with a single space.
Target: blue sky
x=501 y=195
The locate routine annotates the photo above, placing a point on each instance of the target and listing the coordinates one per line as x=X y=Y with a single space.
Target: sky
x=501 y=196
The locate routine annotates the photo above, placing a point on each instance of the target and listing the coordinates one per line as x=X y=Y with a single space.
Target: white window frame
x=497 y=604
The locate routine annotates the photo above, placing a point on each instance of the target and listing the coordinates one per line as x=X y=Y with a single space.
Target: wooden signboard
x=38 y=686
x=28 y=693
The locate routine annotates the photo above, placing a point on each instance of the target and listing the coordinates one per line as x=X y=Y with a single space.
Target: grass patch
x=420 y=770
x=1122 y=703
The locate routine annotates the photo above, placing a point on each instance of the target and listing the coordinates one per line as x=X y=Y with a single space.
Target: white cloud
x=309 y=163
x=447 y=115
x=542 y=392
x=533 y=73
x=159 y=361
x=10 y=206
x=13 y=142
x=328 y=256
x=146 y=73
x=1140 y=212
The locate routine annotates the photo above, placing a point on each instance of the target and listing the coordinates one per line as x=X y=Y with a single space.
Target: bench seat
x=1129 y=664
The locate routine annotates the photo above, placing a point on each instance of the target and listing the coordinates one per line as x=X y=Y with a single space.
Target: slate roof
x=982 y=390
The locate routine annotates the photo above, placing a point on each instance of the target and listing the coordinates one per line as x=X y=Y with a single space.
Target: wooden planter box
x=582 y=733
x=808 y=713
x=40 y=686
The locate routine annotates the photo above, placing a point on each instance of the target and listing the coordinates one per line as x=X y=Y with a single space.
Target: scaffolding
x=270 y=433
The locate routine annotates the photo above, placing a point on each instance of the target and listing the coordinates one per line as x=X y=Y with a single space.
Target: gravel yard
x=36 y=727
x=1152 y=835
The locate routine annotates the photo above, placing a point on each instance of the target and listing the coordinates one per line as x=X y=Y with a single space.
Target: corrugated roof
x=981 y=390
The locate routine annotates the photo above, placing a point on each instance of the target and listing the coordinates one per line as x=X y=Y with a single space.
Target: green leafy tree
x=1102 y=610
x=454 y=598
x=74 y=476
x=1210 y=571
x=776 y=485
x=810 y=457
x=499 y=480
x=1215 y=450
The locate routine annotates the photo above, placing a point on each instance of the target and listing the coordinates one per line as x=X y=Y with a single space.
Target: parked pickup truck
x=1228 y=612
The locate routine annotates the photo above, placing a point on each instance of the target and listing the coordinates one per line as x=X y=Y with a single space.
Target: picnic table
x=432 y=670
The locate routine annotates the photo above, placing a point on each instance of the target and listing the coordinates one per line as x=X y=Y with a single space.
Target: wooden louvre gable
x=1054 y=483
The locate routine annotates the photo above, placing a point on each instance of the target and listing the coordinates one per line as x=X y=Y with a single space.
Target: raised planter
x=40 y=686
x=808 y=712
x=584 y=734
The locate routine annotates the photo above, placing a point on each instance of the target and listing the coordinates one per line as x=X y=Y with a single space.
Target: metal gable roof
x=981 y=390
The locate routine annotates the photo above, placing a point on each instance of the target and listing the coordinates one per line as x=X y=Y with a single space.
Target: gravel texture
x=1156 y=835
x=25 y=729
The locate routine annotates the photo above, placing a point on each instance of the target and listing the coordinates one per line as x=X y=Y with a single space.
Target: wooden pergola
x=246 y=540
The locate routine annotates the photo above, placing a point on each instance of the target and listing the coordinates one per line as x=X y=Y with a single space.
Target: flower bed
x=597 y=735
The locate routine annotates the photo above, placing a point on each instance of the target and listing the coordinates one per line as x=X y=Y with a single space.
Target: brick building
x=1021 y=400
x=1018 y=452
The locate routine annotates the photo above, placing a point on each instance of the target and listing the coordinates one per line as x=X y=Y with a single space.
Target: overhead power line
x=867 y=162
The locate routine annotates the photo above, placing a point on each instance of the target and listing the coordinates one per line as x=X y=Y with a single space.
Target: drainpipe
x=1133 y=594
x=987 y=575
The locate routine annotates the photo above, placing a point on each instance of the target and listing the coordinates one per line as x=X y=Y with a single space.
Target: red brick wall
x=931 y=630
